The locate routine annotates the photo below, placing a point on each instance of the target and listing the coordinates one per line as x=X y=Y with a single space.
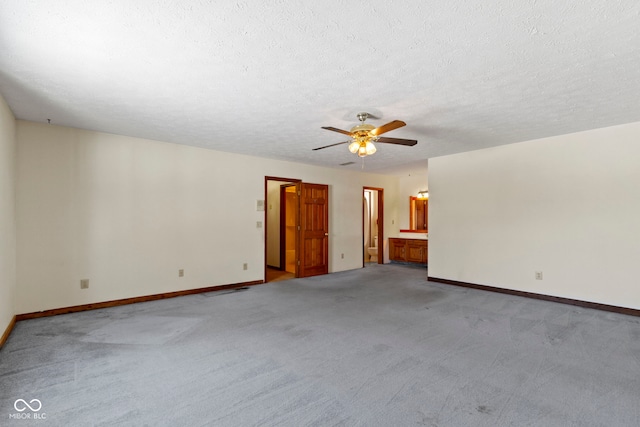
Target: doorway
x=296 y=229
x=372 y=225
x=288 y=231
x=275 y=229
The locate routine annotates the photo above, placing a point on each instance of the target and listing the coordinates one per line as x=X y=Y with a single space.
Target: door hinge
x=298 y=228
x=298 y=262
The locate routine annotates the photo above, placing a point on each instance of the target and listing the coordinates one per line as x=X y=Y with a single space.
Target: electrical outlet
x=259 y=224
x=84 y=284
x=538 y=275
x=245 y=266
x=181 y=273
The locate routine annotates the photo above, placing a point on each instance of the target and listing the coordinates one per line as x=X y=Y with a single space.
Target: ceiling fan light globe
x=354 y=146
x=362 y=151
x=370 y=148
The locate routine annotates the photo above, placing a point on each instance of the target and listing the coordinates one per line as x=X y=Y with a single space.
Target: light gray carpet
x=371 y=347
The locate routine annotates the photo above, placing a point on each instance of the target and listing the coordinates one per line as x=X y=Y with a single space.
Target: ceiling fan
x=364 y=135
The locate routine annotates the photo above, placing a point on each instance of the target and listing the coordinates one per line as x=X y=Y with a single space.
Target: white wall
x=568 y=206
x=7 y=215
x=127 y=213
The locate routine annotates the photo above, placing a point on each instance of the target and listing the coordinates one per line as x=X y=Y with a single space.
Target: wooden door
x=313 y=252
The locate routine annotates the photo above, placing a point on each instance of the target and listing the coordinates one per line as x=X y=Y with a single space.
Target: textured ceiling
x=261 y=78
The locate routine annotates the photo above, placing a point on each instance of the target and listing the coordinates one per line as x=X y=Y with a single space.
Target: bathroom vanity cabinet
x=408 y=250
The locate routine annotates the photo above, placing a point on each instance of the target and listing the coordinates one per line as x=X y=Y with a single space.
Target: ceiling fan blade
x=400 y=141
x=345 y=132
x=389 y=126
x=332 y=145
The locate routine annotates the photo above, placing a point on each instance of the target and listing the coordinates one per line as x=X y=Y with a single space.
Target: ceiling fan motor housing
x=363 y=128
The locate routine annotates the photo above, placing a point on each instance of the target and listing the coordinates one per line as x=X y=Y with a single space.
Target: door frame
x=266 y=205
x=380 y=224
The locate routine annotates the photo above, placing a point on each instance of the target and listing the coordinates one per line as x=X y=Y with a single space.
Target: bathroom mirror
x=418 y=214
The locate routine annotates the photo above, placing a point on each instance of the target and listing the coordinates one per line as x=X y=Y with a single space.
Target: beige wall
x=127 y=213
x=7 y=215
x=568 y=206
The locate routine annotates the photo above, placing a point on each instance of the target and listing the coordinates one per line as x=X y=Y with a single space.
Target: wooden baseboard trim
x=125 y=301
x=579 y=303
x=7 y=332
